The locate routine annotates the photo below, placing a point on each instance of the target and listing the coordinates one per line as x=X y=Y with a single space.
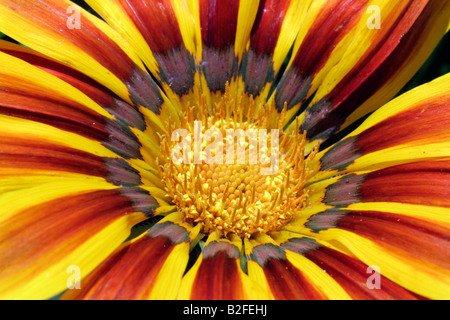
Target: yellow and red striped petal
x=424 y=183
x=275 y=28
x=217 y=274
x=394 y=246
x=397 y=219
x=353 y=275
x=28 y=92
x=159 y=260
x=81 y=41
x=26 y=157
x=288 y=275
x=413 y=127
x=223 y=30
x=163 y=40
x=358 y=67
x=324 y=27
x=57 y=227
x=99 y=94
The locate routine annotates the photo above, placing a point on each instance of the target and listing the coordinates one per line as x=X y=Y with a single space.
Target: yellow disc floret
x=230 y=172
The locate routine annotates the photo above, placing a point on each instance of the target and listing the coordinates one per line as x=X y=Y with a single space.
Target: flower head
x=211 y=149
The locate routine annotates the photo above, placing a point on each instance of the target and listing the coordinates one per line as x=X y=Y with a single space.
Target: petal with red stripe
x=369 y=65
x=353 y=275
x=288 y=275
x=423 y=183
x=162 y=255
x=57 y=225
x=91 y=47
x=413 y=127
x=275 y=28
x=168 y=54
x=31 y=93
x=325 y=26
x=217 y=274
x=98 y=93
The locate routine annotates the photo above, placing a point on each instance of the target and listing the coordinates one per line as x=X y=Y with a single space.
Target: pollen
x=233 y=169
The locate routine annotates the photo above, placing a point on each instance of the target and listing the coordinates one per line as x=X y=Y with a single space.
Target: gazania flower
x=98 y=107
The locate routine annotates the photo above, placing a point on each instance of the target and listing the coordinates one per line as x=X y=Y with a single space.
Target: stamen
x=237 y=199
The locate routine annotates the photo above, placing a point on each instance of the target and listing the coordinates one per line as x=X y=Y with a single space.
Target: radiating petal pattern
x=162 y=254
x=352 y=274
x=368 y=66
x=94 y=206
x=64 y=224
x=217 y=275
x=289 y=275
x=410 y=128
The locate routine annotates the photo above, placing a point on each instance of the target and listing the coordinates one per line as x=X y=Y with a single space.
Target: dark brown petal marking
x=373 y=70
x=175 y=233
x=126 y=113
x=159 y=26
x=263 y=253
x=177 y=68
x=218 y=67
x=120 y=172
x=325 y=220
x=256 y=70
x=216 y=246
x=141 y=199
x=292 y=88
x=218 y=20
x=345 y=191
x=301 y=245
x=122 y=140
x=341 y=155
x=144 y=90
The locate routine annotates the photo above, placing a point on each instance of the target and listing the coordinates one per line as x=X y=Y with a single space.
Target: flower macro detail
x=243 y=185
x=223 y=149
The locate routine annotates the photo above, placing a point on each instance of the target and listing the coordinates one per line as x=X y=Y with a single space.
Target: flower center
x=229 y=173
